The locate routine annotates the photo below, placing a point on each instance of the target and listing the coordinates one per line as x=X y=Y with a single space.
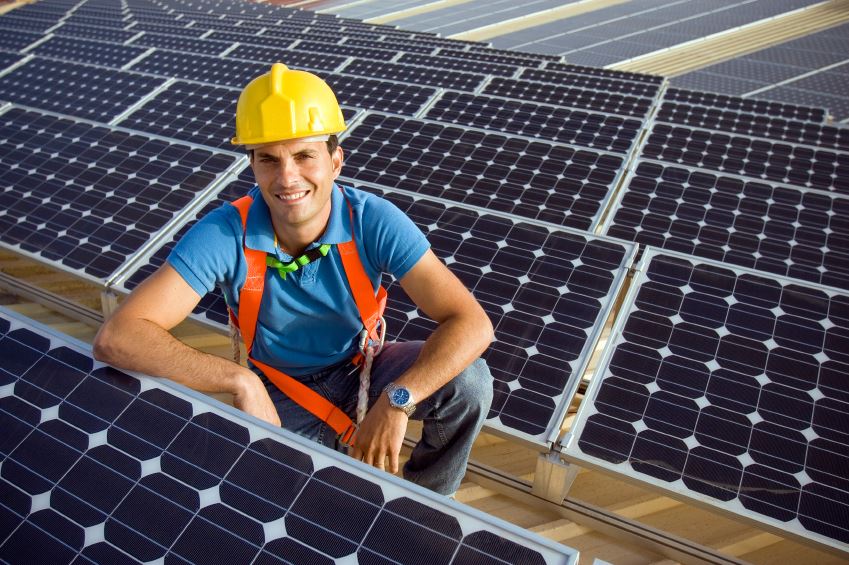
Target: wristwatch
x=400 y=398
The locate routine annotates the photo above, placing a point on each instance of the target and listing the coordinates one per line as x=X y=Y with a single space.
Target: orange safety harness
x=371 y=309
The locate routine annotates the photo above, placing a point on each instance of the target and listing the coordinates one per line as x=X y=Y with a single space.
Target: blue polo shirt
x=308 y=321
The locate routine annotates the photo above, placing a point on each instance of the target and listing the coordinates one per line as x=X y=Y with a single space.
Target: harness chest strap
x=250 y=297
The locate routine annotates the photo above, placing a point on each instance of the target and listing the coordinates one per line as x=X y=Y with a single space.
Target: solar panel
x=770 y=108
x=513 y=58
x=14 y=40
x=727 y=387
x=600 y=72
x=393 y=44
x=293 y=59
x=180 y=43
x=382 y=95
x=415 y=74
x=9 y=22
x=589 y=81
x=8 y=59
x=563 y=125
x=87 y=91
x=177 y=27
x=88 y=51
x=218 y=71
x=771 y=227
x=457 y=64
x=532 y=179
x=756 y=125
x=103 y=466
x=569 y=96
x=476 y=47
x=115 y=22
x=85 y=197
x=799 y=165
x=346 y=50
x=251 y=39
x=95 y=32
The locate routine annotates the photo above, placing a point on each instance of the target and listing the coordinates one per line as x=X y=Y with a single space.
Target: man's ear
x=337 y=159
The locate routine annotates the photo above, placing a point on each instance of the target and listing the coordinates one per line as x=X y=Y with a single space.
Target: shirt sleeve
x=209 y=253
x=396 y=243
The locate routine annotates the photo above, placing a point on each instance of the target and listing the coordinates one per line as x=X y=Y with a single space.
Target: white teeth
x=291 y=196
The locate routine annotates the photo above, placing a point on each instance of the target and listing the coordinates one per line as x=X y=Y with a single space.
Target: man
x=308 y=325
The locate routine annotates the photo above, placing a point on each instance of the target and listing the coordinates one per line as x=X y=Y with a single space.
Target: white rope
x=234 y=342
x=365 y=383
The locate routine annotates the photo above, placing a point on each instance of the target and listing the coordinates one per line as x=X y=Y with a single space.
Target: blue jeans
x=452 y=416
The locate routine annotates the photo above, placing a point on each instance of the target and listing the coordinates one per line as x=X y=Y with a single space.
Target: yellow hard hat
x=284 y=104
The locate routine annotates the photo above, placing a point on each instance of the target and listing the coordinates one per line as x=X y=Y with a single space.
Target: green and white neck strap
x=285 y=268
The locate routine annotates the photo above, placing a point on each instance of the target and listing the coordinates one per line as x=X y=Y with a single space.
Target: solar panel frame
x=570 y=444
x=229 y=503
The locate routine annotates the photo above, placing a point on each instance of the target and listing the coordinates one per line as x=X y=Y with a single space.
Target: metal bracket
x=553 y=477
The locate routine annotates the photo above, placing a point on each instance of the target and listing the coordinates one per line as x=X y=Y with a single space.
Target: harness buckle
x=346 y=438
x=364 y=339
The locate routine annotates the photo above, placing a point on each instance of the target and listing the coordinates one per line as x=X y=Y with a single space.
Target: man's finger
x=393 y=462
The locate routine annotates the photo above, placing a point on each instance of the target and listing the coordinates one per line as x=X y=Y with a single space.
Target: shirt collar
x=259 y=233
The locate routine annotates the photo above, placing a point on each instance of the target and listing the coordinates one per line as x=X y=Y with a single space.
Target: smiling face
x=296 y=180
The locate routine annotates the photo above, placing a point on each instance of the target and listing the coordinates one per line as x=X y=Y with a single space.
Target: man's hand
x=381 y=435
x=251 y=397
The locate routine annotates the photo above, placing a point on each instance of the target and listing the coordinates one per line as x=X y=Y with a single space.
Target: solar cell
x=292 y=58
x=608 y=73
x=770 y=108
x=106 y=21
x=458 y=64
x=393 y=44
x=588 y=81
x=175 y=27
x=756 y=125
x=564 y=125
x=8 y=59
x=727 y=387
x=346 y=50
x=766 y=226
x=415 y=74
x=575 y=97
x=475 y=47
x=250 y=39
x=103 y=466
x=87 y=91
x=9 y=22
x=88 y=51
x=180 y=43
x=798 y=165
x=86 y=197
x=532 y=179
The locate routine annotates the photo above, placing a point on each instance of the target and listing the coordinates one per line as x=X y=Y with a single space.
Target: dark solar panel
x=345 y=50
x=757 y=125
x=514 y=58
x=88 y=51
x=575 y=97
x=175 y=27
x=105 y=21
x=415 y=74
x=293 y=59
x=770 y=227
x=479 y=48
x=100 y=466
x=607 y=73
x=94 y=32
x=96 y=93
x=10 y=23
x=86 y=197
x=458 y=64
x=589 y=81
x=381 y=95
x=13 y=40
x=545 y=290
x=392 y=44
x=181 y=43
x=532 y=179
x=727 y=387
x=799 y=165
x=247 y=41
x=213 y=70
x=8 y=59
x=776 y=109
x=563 y=125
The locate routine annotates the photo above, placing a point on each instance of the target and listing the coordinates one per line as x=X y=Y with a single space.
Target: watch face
x=400 y=396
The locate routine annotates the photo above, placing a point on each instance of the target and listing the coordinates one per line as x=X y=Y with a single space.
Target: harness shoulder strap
x=251 y=293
